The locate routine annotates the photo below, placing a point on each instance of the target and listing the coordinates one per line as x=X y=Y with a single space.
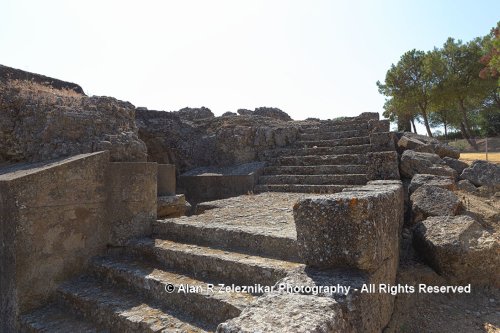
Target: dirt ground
x=469 y=157
x=478 y=311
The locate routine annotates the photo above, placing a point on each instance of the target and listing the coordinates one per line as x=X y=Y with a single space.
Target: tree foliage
x=455 y=86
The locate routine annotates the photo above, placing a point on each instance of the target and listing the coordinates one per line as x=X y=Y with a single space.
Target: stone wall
x=219 y=141
x=56 y=215
x=207 y=184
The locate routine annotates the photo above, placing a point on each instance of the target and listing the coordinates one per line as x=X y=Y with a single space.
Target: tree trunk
x=465 y=127
x=426 y=120
x=404 y=124
x=445 y=131
x=414 y=128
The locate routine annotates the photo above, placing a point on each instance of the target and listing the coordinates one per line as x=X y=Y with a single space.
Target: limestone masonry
x=123 y=219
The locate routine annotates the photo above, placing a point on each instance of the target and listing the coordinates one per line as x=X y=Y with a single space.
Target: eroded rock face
x=264 y=111
x=460 y=249
x=429 y=201
x=220 y=141
x=482 y=173
x=432 y=180
x=413 y=163
x=195 y=113
x=39 y=122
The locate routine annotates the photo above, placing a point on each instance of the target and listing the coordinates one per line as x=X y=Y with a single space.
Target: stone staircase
x=328 y=157
x=125 y=291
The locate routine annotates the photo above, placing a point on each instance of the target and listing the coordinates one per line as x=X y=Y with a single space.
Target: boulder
x=467 y=186
x=228 y=114
x=431 y=180
x=413 y=163
x=459 y=248
x=172 y=206
x=426 y=148
x=433 y=201
x=482 y=173
x=446 y=151
x=455 y=164
x=406 y=143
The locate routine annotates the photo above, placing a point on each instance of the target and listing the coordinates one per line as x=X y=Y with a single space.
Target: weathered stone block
x=433 y=201
x=431 y=180
x=382 y=165
x=455 y=164
x=482 y=173
x=166 y=179
x=460 y=249
x=406 y=143
x=172 y=206
x=382 y=141
x=350 y=229
x=446 y=151
x=379 y=125
x=131 y=204
x=467 y=186
x=413 y=163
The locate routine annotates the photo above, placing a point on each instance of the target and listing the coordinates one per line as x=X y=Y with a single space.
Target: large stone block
x=455 y=164
x=172 y=206
x=382 y=165
x=413 y=163
x=382 y=141
x=131 y=204
x=56 y=215
x=52 y=222
x=460 y=249
x=358 y=229
x=482 y=173
x=431 y=180
x=433 y=201
x=166 y=179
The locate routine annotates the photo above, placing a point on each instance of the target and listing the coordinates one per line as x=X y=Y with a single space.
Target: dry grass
x=469 y=157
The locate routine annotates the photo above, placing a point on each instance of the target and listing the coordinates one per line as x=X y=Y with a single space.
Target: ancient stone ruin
x=123 y=219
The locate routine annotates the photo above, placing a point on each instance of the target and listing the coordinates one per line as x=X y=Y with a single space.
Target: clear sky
x=313 y=58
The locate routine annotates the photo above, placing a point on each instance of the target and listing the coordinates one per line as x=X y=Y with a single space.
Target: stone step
x=299 y=188
x=323 y=135
x=360 y=140
x=353 y=149
x=207 y=304
x=316 y=160
x=227 y=237
x=335 y=126
x=54 y=318
x=123 y=310
x=214 y=264
x=315 y=169
x=328 y=179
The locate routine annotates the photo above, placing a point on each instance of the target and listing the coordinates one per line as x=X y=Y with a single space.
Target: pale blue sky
x=310 y=58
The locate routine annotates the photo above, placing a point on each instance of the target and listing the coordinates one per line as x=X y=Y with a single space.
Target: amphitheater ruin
x=123 y=219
